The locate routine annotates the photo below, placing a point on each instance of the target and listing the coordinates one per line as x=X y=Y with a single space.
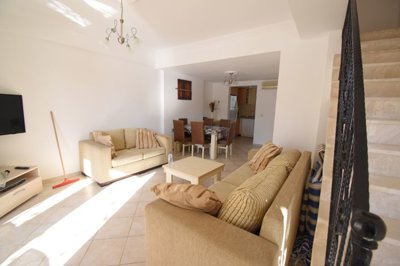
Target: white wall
x=87 y=91
x=302 y=80
x=174 y=108
x=265 y=115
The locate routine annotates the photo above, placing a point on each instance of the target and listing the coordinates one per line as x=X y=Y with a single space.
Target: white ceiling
x=183 y=21
x=253 y=67
x=169 y=23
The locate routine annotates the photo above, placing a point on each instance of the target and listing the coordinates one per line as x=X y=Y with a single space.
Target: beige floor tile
x=137 y=227
x=30 y=257
x=140 y=208
x=114 y=228
x=127 y=210
x=104 y=252
x=134 y=264
x=78 y=256
x=12 y=235
x=134 y=250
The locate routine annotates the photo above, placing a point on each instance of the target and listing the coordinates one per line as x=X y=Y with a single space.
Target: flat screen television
x=11 y=114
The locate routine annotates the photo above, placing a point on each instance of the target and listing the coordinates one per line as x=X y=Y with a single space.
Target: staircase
x=381 y=67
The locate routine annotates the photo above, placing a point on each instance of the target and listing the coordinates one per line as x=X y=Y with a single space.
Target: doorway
x=242 y=108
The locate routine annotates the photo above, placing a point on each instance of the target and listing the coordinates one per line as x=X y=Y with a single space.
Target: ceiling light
x=120 y=34
x=230 y=77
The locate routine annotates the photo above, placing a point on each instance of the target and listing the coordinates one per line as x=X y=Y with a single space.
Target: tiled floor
x=85 y=224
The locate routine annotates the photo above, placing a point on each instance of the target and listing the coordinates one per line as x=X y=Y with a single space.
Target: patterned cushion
x=104 y=139
x=188 y=196
x=146 y=139
x=263 y=156
x=248 y=203
x=118 y=138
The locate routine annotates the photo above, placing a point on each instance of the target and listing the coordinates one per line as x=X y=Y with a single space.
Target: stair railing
x=353 y=231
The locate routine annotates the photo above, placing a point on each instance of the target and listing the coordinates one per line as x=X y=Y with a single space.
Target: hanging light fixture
x=120 y=34
x=230 y=77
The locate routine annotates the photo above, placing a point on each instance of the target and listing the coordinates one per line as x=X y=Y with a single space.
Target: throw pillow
x=188 y=196
x=105 y=139
x=146 y=139
x=263 y=156
x=248 y=203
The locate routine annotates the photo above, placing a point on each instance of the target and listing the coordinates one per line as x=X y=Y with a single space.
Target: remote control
x=21 y=167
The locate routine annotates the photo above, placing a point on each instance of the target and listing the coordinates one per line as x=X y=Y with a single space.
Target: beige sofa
x=96 y=161
x=176 y=236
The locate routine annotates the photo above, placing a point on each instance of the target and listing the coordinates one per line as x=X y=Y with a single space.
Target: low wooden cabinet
x=13 y=197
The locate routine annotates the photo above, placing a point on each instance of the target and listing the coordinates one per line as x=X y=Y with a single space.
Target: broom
x=66 y=180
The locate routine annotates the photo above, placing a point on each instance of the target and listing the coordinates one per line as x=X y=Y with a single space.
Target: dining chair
x=185 y=121
x=198 y=139
x=179 y=135
x=208 y=121
x=226 y=143
x=224 y=123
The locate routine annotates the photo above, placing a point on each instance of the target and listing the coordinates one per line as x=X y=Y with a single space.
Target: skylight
x=68 y=13
x=104 y=9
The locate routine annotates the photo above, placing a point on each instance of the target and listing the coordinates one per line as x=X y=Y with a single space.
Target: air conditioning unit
x=269 y=84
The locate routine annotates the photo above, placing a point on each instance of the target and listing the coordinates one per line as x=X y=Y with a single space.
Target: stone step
x=379 y=35
x=375 y=71
x=383 y=132
x=375 y=108
x=383 y=160
x=384 y=44
x=374 y=88
x=383 y=56
x=379 y=131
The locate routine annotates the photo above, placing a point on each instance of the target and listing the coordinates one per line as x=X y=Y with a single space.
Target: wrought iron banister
x=353 y=231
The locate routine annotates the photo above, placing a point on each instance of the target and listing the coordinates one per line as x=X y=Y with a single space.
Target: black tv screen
x=11 y=114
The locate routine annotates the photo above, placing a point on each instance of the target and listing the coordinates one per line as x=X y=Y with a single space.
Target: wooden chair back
x=179 y=131
x=231 y=133
x=185 y=120
x=208 y=121
x=224 y=123
x=197 y=132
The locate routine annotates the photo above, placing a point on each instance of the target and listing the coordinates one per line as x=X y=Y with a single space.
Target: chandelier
x=120 y=34
x=230 y=78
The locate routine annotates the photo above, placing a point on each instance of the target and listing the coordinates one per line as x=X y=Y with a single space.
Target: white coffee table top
x=192 y=168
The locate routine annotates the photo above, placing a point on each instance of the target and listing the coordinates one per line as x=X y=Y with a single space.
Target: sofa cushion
x=146 y=139
x=188 y=196
x=222 y=189
x=118 y=138
x=248 y=203
x=130 y=137
x=263 y=156
x=104 y=139
x=127 y=156
x=240 y=175
x=148 y=153
x=288 y=158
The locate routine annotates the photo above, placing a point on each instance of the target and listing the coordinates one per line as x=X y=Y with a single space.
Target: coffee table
x=193 y=169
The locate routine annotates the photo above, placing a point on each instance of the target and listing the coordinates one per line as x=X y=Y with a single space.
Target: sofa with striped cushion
x=136 y=150
x=256 y=225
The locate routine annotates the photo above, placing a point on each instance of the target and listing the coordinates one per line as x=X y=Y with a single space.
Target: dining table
x=215 y=133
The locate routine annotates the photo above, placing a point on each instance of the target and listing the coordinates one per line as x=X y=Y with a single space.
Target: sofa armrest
x=95 y=158
x=180 y=237
x=251 y=153
x=165 y=141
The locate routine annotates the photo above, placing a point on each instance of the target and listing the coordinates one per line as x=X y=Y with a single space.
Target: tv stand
x=22 y=185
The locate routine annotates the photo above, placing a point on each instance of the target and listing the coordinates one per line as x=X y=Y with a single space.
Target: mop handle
x=58 y=144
